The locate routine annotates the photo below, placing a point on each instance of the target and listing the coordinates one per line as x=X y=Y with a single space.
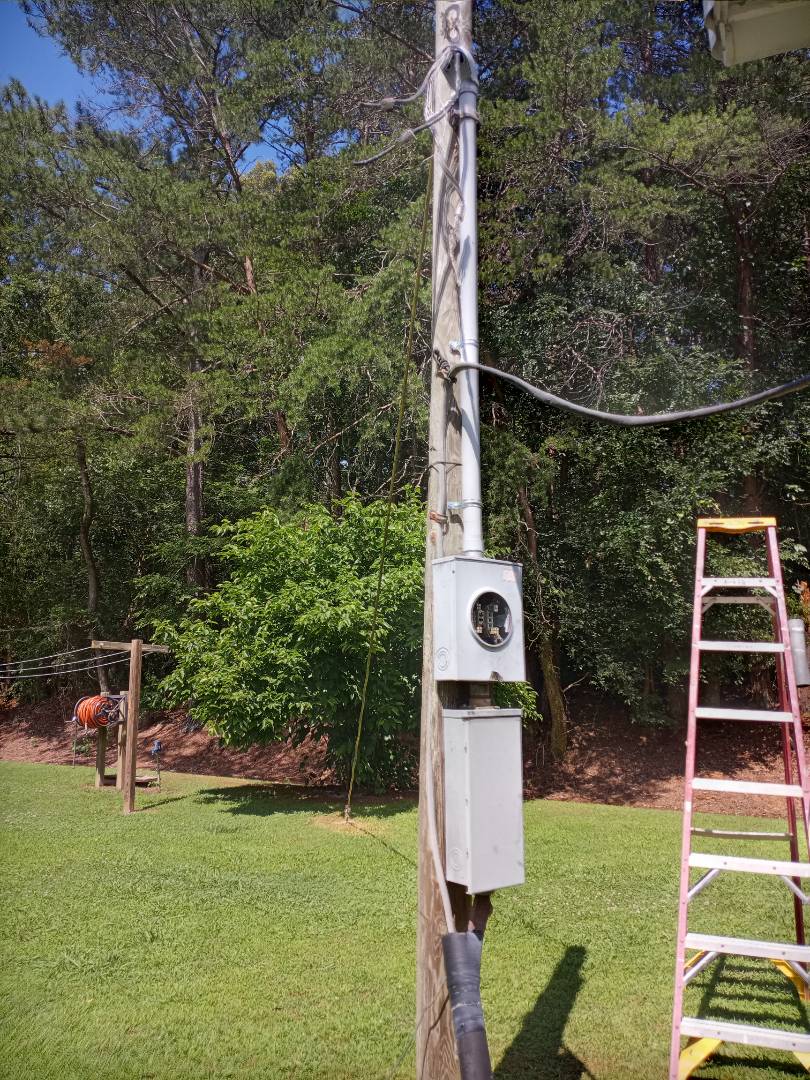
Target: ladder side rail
x=783 y=682
x=787 y=680
x=689 y=773
x=798 y=906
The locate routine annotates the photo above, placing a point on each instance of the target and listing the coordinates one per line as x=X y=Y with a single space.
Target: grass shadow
x=732 y=991
x=538 y=1051
x=159 y=802
x=263 y=799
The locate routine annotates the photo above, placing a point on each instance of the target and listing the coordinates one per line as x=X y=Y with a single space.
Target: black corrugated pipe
x=462 y=963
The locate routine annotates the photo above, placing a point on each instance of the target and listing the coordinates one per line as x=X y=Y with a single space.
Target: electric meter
x=491 y=619
x=477 y=620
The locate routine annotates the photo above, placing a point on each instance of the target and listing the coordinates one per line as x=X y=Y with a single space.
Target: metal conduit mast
x=467 y=347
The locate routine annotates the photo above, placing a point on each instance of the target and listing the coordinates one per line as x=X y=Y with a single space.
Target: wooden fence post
x=133 y=710
x=122 y=742
x=130 y=714
x=101 y=756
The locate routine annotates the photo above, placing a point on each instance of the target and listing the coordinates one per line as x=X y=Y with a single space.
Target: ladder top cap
x=736 y=525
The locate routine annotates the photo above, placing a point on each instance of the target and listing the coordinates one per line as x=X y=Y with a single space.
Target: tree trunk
x=334 y=482
x=282 y=429
x=556 y=698
x=752 y=495
x=745 y=343
x=197 y=570
x=547 y=648
x=88 y=513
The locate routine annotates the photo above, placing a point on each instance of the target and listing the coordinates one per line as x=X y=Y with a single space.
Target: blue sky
x=37 y=62
x=45 y=71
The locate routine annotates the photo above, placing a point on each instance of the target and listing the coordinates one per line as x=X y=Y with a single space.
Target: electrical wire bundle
x=55 y=664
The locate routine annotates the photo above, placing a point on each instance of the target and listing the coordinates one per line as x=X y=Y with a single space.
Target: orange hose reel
x=94 y=712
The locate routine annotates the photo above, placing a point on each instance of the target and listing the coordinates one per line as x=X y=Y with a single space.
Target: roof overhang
x=742 y=30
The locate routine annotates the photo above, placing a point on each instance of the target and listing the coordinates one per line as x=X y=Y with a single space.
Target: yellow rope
x=403 y=396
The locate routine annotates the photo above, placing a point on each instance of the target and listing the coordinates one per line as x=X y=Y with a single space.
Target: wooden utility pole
x=435 y=1043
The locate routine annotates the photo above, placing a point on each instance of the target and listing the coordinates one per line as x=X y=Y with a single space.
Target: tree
x=245 y=318
x=279 y=647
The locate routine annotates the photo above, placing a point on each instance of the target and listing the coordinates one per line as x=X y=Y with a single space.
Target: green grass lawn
x=232 y=930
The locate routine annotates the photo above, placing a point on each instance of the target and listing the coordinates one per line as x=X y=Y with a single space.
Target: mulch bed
x=44 y=733
x=609 y=760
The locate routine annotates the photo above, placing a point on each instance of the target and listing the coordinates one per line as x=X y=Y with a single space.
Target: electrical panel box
x=483 y=797
x=477 y=620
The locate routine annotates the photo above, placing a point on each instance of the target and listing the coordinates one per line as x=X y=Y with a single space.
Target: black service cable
x=624 y=420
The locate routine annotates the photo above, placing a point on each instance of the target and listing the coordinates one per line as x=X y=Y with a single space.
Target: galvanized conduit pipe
x=467 y=347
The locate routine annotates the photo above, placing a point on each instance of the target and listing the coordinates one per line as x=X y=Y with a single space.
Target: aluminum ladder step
x=742 y=646
x=739 y=598
x=741 y=864
x=766 y=950
x=708 y=583
x=747 y=787
x=767 y=716
x=734 y=834
x=746 y=1035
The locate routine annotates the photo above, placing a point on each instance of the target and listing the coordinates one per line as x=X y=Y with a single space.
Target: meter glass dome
x=491 y=619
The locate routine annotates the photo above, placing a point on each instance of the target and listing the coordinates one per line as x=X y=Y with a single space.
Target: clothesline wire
x=49 y=656
x=89 y=667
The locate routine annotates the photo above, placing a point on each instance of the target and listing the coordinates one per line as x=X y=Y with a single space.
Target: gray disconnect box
x=483 y=792
x=477 y=620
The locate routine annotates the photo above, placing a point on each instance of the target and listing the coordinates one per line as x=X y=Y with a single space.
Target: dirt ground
x=610 y=760
x=44 y=733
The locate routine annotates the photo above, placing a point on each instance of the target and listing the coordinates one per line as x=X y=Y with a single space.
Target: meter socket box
x=483 y=793
x=477 y=620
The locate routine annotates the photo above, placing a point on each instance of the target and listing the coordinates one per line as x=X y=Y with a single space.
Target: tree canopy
x=204 y=307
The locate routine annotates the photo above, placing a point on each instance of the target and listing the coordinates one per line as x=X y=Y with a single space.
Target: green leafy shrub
x=279 y=648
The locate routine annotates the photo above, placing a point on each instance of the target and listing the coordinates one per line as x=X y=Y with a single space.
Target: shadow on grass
x=265 y=799
x=735 y=990
x=159 y=802
x=538 y=1051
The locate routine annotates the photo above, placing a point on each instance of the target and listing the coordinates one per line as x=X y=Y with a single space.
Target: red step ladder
x=791 y=958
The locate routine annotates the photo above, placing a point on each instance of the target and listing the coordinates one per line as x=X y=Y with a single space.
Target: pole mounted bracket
x=466 y=110
x=442 y=366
